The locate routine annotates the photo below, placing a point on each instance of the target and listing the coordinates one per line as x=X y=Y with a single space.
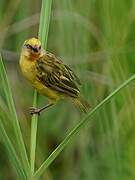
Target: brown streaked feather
x=57 y=76
x=67 y=70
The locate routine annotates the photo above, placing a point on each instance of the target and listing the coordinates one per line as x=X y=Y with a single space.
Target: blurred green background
x=97 y=39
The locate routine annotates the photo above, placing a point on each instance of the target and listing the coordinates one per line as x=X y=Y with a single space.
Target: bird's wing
x=57 y=76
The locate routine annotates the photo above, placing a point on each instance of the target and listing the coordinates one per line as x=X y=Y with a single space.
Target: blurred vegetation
x=96 y=38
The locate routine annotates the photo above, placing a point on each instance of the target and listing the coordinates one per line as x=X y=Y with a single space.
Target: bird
x=50 y=76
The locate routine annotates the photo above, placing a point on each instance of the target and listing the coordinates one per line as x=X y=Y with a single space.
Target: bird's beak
x=36 y=49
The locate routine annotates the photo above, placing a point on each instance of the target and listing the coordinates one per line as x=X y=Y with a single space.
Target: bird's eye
x=28 y=46
x=39 y=47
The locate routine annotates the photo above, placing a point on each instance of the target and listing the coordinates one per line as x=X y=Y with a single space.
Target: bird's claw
x=34 y=110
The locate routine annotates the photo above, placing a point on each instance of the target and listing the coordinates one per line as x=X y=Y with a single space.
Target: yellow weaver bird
x=49 y=76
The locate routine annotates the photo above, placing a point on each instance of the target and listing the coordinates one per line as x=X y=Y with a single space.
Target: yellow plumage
x=49 y=75
x=29 y=71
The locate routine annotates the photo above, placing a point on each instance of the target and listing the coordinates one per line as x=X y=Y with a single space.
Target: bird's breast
x=28 y=69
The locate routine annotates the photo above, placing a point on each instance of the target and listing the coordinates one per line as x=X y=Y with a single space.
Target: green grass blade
x=34 y=124
x=45 y=21
x=11 y=151
x=15 y=122
x=43 y=35
x=78 y=127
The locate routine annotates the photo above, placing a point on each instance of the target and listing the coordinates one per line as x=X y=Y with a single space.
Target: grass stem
x=43 y=35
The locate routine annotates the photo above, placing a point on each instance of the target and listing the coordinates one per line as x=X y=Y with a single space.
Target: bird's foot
x=34 y=110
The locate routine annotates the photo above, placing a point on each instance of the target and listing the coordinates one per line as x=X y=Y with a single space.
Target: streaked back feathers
x=55 y=75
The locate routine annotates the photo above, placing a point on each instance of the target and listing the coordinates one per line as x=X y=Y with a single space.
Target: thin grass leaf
x=77 y=129
x=34 y=124
x=15 y=122
x=43 y=35
x=45 y=21
x=11 y=151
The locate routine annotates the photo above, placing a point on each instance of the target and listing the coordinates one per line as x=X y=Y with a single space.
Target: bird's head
x=32 y=48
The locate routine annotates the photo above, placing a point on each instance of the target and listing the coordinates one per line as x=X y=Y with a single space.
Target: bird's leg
x=38 y=110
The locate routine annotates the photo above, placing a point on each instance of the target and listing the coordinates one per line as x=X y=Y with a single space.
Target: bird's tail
x=82 y=104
